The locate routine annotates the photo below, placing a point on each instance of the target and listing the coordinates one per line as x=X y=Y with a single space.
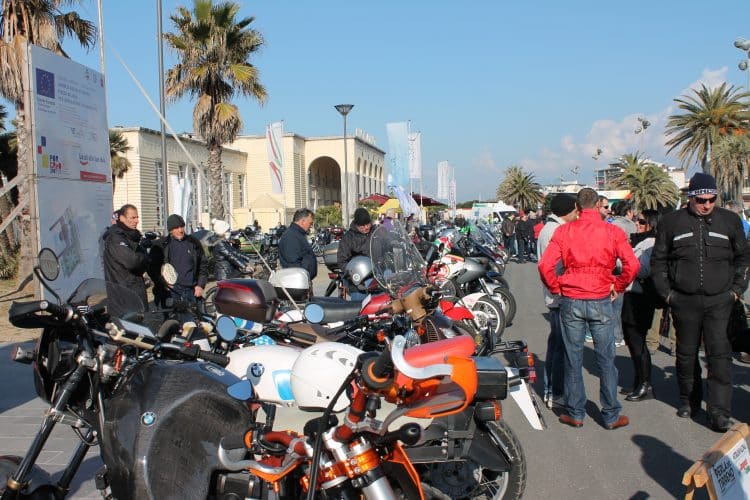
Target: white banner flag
x=415 y=155
x=452 y=194
x=443 y=175
x=274 y=132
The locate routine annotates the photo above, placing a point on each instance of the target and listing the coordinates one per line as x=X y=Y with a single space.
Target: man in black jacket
x=186 y=254
x=124 y=260
x=294 y=249
x=699 y=266
x=356 y=241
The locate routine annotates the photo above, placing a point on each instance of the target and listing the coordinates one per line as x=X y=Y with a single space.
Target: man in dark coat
x=294 y=249
x=124 y=261
x=186 y=254
x=356 y=241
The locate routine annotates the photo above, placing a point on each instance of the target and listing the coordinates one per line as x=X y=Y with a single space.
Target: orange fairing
x=398 y=456
x=437 y=398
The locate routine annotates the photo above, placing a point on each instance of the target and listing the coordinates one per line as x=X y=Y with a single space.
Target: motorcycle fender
x=484 y=451
x=520 y=394
x=458 y=313
x=399 y=469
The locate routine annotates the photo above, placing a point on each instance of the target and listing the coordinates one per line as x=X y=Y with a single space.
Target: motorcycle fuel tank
x=268 y=368
x=472 y=271
x=163 y=426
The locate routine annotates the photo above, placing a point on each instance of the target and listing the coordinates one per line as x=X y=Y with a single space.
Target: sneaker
x=589 y=338
x=619 y=343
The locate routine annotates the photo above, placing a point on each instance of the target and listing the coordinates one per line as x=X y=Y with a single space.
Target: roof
x=426 y=201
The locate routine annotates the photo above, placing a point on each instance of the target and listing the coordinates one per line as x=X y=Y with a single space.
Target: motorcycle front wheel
x=37 y=476
x=507 y=301
x=492 y=310
x=467 y=479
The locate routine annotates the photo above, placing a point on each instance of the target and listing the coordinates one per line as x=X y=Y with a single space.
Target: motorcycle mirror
x=314 y=313
x=169 y=274
x=227 y=328
x=49 y=264
x=241 y=391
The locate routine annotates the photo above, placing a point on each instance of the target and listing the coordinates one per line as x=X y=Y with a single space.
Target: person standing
x=124 y=259
x=294 y=249
x=228 y=261
x=624 y=217
x=700 y=265
x=564 y=210
x=524 y=231
x=508 y=228
x=186 y=255
x=356 y=241
x=588 y=248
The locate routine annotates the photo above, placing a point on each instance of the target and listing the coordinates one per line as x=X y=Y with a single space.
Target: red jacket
x=589 y=249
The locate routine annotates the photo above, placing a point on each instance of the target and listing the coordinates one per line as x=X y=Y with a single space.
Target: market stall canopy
x=266 y=201
x=426 y=201
x=391 y=203
x=377 y=198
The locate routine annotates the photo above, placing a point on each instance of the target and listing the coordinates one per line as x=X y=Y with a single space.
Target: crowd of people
x=610 y=269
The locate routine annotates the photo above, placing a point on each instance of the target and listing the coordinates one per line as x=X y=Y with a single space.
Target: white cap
x=220 y=227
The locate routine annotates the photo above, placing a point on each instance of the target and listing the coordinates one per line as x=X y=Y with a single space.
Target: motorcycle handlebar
x=63 y=313
x=304 y=337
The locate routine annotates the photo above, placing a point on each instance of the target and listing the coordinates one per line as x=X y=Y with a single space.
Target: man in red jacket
x=589 y=248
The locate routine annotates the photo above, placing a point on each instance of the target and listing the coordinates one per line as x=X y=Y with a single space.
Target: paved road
x=644 y=460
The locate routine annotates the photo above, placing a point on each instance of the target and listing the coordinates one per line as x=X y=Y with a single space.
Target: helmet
x=427 y=232
x=220 y=227
x=359 y=269
x=311 y=390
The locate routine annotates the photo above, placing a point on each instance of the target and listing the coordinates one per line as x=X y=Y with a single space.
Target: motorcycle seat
x=335 y=309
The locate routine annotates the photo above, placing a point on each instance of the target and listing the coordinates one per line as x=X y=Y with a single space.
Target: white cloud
x=614 y=137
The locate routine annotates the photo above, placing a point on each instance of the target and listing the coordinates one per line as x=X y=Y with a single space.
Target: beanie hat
x=220 y=227
x=174 y=221
x=562 y=204
x=361 y=217
x=702 y=183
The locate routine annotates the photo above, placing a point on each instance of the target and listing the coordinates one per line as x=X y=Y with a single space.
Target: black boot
x=641 y=392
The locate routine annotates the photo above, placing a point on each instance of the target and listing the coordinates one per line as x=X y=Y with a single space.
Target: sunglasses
x=703 y=201
x=642 y=222
x=606 y=207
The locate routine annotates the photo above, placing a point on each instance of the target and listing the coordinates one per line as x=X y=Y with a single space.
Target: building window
x=160 y=210
x=181 y=172
x=241 y=186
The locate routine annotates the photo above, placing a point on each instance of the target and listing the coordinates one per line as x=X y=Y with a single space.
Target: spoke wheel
x=492 y=312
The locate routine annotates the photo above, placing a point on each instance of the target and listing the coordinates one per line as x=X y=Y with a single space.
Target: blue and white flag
x=398 y=154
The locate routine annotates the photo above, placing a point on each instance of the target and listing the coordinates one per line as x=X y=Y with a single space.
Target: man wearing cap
x=356 y=241
x=700 y=266
x=294 y=249
x=564 y=210
x=186 y=255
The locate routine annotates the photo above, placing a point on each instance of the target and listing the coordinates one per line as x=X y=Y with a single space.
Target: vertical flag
x=452 y=195
x=274 y=133
x=443 y=175
x=415 y=155
x=398 y=154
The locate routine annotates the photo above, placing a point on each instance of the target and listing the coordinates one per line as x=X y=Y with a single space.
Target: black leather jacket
x=352 y=244
x=124 y=261
x=700 y=255
x=228 y=261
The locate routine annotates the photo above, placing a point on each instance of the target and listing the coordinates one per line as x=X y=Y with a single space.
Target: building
x=603 y=177
x=313 y=173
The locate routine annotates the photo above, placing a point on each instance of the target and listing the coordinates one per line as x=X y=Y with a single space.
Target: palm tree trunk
x=25 y=266
x=705 y=165
x=215 y=182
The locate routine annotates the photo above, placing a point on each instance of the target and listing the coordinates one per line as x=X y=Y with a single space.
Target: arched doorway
x=324 y=181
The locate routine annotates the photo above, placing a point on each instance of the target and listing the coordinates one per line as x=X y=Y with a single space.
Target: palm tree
x=42 y=23
x=519 y=189
x=118 y=147
x=3 y=116
x=707 y=115
x=624 y=162
x=649 y=185
x=730 y=164
x=214 y=51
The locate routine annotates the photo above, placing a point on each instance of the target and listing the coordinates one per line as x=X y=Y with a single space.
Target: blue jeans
x=186 y=294
x=598 y=315
x=554 y=368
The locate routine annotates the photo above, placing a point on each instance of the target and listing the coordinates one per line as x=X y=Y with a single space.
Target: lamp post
x=744 y=45
x=344 y=110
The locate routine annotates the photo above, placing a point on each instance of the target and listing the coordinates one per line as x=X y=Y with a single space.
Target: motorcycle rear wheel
x=469 y=480
x=508 y=301
x=494 y=310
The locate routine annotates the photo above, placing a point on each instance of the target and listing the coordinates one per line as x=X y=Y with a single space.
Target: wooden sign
x=724 y=469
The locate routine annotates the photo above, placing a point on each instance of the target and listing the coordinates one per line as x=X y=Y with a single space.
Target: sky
x=489 y=84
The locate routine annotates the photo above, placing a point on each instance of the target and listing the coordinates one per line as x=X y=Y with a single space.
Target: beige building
x=313 y=170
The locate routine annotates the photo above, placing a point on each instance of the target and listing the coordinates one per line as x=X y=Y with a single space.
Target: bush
x=328 y=216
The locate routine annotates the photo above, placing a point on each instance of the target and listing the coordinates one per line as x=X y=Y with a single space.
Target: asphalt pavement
x=643 y=460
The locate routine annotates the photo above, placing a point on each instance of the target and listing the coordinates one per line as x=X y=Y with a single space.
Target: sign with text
x=72 y=163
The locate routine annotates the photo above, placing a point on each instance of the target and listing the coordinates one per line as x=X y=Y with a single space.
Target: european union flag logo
x=45 y=83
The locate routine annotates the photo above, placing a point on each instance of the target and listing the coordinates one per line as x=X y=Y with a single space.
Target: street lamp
x=344 y=110
x=744 y=45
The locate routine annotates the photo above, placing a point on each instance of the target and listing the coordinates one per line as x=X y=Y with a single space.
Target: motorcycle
x=155 y=410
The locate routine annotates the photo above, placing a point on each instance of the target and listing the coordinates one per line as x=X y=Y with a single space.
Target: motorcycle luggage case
x=329 y=256
x=296 y=281
x=253 y=300
x=492 y=379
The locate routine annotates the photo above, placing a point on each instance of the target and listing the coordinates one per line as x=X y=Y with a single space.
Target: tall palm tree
x=118 y=147
x=519 y=189
x=649 y=185
x=707 y=115
x=42 y=23
x=3 y=116
x=214 y=51
x=730 y=164
x=624 y=162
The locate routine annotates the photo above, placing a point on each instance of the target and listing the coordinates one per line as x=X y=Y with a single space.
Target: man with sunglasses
x=700 y=265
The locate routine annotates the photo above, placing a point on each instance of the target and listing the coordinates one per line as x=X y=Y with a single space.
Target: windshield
x=396 y=262
x=118 y=300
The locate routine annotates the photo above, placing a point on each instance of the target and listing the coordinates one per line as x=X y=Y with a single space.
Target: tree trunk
x=215 y=182
x=28 y=248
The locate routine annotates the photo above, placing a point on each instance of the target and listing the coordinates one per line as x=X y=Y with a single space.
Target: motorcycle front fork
x=18 y=481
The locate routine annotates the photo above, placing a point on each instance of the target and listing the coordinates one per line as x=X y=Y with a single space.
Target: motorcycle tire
x=208 y=302
x=37 y=477
x=507 y=301
x=494 y=309
x=483 y=344
x=464 y=480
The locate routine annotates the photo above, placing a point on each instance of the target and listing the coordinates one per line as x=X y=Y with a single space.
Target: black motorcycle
x=156 y=412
